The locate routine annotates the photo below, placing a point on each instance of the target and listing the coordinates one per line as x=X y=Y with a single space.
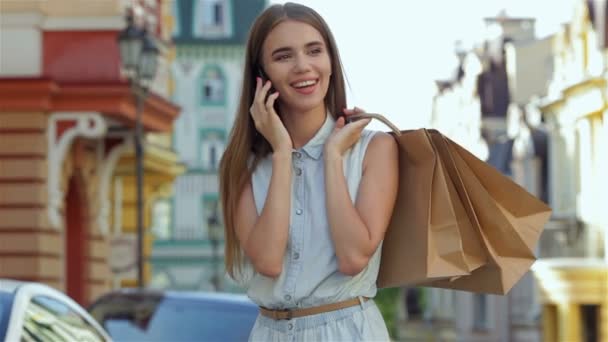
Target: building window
x=211 y=148
x=161 y=219
x=480 y=312
x=176 y=19
x=210 y=155
x=212 y=86
x=218 y=14
x=414 y=303
x=213 y=161
x=590 y=322
x=212 y=213
x=212 y=19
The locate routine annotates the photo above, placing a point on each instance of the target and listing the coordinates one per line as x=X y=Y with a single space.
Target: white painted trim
x=105 y=176
x=117 y=229
x=57 y=151
x=39 y=20
x=21 y=19
x=84 y=23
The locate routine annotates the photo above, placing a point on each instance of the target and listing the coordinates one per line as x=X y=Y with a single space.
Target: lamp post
x=214 y=230
x=139 y=56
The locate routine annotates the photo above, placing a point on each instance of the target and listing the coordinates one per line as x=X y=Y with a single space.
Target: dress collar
x=314 y=147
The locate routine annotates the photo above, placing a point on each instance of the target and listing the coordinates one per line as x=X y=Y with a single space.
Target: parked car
x=153 y=315
x=36 y=312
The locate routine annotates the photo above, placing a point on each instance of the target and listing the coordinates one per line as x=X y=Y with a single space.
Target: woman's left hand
x=345 y=135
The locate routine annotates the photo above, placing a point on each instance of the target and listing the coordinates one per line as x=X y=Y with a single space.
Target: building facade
x=209 y=36
x=573 y=272
x=66 y=114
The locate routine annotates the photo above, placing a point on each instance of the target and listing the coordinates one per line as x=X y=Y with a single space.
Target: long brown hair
x=243 y=142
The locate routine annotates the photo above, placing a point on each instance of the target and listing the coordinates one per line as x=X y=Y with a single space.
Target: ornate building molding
x=113 y=154
x=63 y=128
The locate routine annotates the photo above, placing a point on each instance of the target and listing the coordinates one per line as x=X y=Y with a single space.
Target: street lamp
x=139 y=56
x=214 y=230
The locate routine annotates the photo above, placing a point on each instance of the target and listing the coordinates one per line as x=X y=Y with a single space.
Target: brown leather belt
x=295 y=313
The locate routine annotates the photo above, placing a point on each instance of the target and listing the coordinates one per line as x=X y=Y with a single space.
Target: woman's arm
x=358 y=229
x=263 y=238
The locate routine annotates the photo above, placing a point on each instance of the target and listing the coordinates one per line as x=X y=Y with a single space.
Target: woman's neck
x=303 y=125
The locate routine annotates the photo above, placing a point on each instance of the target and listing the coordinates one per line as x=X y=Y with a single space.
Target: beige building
x=573 y=275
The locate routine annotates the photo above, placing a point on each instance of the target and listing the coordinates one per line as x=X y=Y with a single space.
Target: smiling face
x=297 y=61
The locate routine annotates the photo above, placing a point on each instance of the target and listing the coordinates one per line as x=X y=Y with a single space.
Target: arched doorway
x=76 y=240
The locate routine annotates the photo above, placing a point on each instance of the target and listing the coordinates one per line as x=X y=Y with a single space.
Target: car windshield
x=178 y=319
x=6 y=300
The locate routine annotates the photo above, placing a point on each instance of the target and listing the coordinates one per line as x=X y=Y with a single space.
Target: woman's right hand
x=266 y=119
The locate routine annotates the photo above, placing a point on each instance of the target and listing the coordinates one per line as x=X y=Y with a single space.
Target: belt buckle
x=289 y=313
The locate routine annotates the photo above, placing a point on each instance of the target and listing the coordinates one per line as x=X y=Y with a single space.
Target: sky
x=393 y=50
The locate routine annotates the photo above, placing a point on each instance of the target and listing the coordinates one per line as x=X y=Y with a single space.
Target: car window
x=48 y=319
x=182 y=320
x=6 y=300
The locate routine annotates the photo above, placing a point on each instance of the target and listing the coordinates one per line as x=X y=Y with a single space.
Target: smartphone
x=265 y=78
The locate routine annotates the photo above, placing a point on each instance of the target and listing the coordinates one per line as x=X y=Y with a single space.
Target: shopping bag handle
x=379 y=117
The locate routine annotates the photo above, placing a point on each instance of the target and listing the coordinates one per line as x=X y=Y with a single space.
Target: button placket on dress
x=296 y=230
x=299 y=233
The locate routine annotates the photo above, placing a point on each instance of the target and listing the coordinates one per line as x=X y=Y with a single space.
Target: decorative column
x=63 y=129
x=569 y=322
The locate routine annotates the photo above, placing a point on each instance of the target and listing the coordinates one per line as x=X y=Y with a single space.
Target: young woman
x=307 y=197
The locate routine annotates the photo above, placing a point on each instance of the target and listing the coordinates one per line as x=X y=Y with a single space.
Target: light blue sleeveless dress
x=310 y=275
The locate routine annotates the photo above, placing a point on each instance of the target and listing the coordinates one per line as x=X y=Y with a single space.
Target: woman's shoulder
x=382 y=145
x=374 y=137
x=381 y=138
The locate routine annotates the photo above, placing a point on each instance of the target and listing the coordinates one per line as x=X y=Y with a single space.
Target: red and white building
x=66 y=120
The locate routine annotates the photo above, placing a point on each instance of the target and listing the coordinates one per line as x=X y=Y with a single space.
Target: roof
x=220 y=297
x=244 y=13
x=9 y=285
